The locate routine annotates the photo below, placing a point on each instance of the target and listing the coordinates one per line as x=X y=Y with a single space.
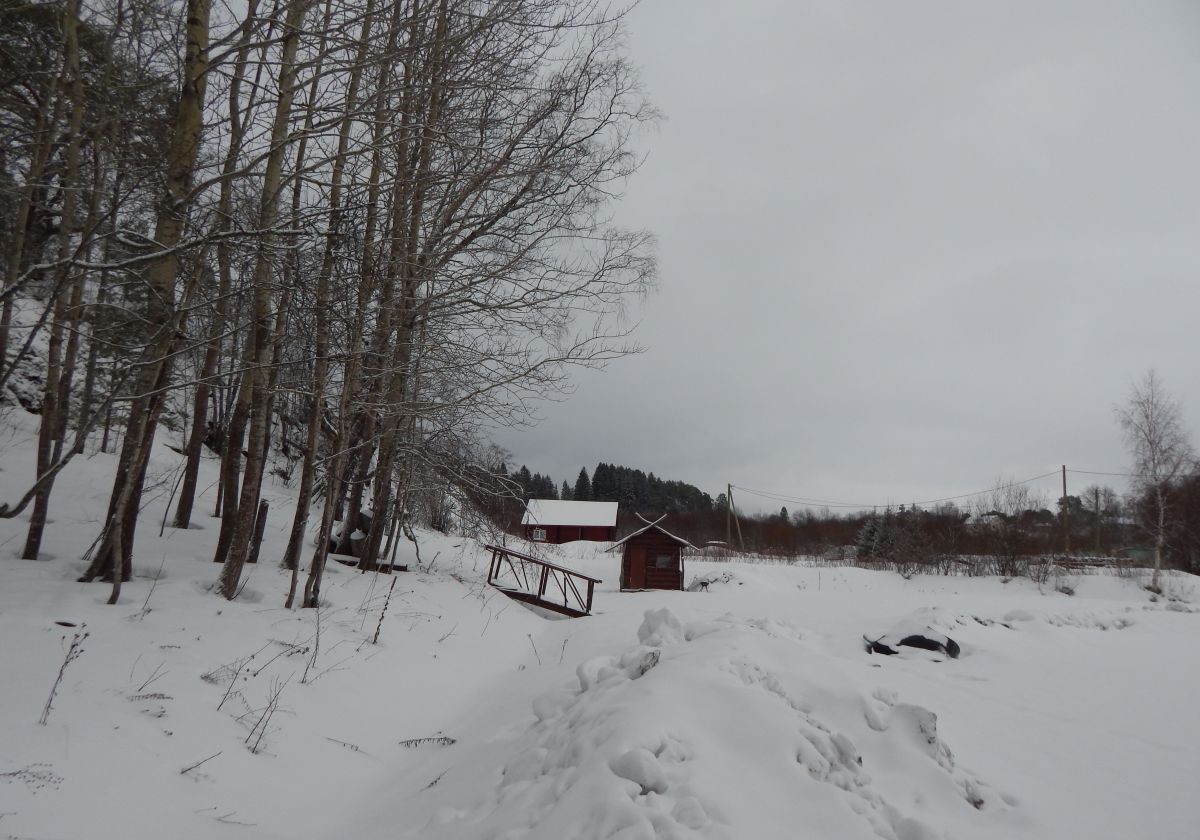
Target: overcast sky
x=906 y=247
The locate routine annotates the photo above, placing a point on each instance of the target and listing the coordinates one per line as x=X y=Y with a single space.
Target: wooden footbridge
x=540 y=582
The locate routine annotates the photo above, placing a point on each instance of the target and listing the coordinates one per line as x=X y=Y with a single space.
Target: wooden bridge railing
x=541 y=582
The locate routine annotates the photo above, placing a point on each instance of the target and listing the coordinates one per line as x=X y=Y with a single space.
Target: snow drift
x=717 y=729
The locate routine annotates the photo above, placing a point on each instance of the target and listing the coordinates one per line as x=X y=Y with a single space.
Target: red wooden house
x=553 y=521
x=651 y=558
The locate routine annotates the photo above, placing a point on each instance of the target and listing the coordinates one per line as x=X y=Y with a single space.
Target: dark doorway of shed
x=637 y=569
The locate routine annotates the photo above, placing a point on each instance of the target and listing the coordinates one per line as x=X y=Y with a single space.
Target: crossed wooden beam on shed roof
x=649 y=525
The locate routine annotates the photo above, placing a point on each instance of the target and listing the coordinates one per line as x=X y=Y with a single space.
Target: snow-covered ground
x=749 y=710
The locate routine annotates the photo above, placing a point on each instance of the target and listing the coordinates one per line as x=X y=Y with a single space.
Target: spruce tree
x=602 y=483
x=867 y=537
x=583 y=486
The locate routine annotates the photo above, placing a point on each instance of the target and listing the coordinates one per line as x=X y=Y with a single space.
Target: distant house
x=553 y=521
x=652 y=558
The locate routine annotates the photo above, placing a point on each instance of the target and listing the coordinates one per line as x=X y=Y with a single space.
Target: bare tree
x=1103 y=506
x=1011 y=508
x=116 y=543
x=52 y=408
x=254 y=389
x=1152 y=423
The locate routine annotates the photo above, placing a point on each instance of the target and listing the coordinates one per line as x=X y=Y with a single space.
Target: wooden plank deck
x=540 y=582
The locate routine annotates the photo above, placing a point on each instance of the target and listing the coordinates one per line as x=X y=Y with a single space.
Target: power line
x=783 y=497
x=767 y=494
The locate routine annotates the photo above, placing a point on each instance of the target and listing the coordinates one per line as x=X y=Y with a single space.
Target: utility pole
x=736 y=520
x=728 y=516
x=1066 y=516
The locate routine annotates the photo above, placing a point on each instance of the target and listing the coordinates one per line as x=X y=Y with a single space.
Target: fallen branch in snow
x=563 y=652
x=224 y=818
x=73 y=653
x=349 y=746
x=289 y=649
x=34 y=777
x=336 y=666
x=316 y=647
x=268 y=712
x=145 y=610
x=352 y=747
x=436 y=780
x=532 y=645
x=231 y=671
x=153 y=677
x=171 y=500
x=448 y=635
x=383 y=612
x=367 y=601
x=408 y=532
x=192 y=767
x=238 y=594
x=434 y=740
x=228 y=690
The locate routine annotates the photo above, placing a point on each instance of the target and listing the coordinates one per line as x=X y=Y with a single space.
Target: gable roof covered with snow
x=583 y=514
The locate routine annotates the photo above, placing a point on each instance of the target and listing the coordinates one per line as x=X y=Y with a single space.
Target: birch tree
x=116 y=542
x=1152 y=423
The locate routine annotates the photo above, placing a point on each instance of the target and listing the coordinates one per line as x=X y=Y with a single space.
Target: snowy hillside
x=750 y=710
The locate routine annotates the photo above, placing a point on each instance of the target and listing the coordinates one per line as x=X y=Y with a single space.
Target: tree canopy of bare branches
x=345 y=236
x=1162 y=454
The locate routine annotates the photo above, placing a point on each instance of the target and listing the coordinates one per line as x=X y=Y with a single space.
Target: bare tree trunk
x=231 y=461
x=406 y=387
x=1160 y=534
x=115 y=550
x=75 y=309
x=195 y=443
x=406 y=262
x=335 y=471
x=90 y=369
x=108 y=412
x=255 y=379
x=47 y=134
x=291 y=556
x=52 y=407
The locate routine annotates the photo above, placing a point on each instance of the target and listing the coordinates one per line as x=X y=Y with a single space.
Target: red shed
x=652 y=558
x=554 y=521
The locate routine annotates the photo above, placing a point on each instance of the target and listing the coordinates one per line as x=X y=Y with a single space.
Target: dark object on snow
x=343 y=541
x=876 y=646
x=948 y=647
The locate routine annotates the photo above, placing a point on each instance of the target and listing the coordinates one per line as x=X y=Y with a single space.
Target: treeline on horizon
x=1009 y=523
x=631 y=488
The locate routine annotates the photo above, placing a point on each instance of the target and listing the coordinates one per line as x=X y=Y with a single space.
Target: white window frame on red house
x=539 y=534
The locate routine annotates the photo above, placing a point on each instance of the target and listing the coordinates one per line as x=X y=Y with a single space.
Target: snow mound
x=719 y=729
x=915 y=633
x=702 y=582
